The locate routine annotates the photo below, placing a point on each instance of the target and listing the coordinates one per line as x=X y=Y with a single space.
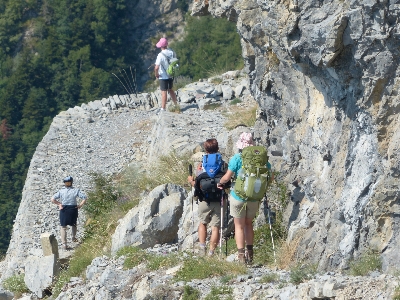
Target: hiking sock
x=249 y=256
x=241 y=257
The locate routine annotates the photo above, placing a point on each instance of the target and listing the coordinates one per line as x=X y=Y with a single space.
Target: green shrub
x=270 y=278
x=156 y=262
x=302 y=272
x=216 y=80
x=102 y=197
x=16 y=284
x=134 y=256
x=211 y=106
x=365 y=264
x=190 y=293
x=235 y=101
x=205 y=267
x=216 y=292
x=174 y=108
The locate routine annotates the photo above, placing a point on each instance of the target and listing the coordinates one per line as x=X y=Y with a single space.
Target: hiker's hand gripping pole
x=191 y=174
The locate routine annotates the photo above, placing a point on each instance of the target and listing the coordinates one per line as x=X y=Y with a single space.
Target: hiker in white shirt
x=160 y=71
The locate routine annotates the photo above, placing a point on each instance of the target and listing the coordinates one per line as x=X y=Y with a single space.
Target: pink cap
x=162 y=43
x=245 y=140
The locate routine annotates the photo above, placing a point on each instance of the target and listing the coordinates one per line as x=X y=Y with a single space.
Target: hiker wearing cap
x=66 y=199
x=243 y=211
x=209 y=207
x=160 y=71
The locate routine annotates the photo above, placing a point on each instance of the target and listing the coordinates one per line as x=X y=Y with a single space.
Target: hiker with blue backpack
x=251 y=169
x=211 y=205
x=165 y=58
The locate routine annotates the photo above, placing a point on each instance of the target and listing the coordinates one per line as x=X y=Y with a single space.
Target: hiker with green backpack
x=252 y=171
x=164 y=71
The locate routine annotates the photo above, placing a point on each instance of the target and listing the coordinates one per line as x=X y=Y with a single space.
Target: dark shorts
x=166 y=84
x=69 y=215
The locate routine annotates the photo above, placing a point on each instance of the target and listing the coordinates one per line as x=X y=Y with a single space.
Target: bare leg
x=239 y=232
x=64 y=235
x=163 y=99
x=248 y=231
x=214 y=238
x=73 y=233
x=202 y=233
x=173 y=96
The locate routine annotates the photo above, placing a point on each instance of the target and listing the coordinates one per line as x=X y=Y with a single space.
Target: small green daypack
x=252 y=178
x=172 y=66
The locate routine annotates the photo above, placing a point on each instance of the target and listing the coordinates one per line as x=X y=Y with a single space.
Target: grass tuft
x=16 y=284
x=190 y=293
x=181 y=82
x=206 y=267
x=270 y=278
x=302 y=272
x=235 y=101
x=218 y=291
x=240 y=116
x=212 y=106
x=396 y=295
x=365 y=264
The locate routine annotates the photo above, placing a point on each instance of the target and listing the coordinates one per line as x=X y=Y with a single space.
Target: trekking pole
x=227 y=223
x=222 y=220
x=191 y=174
x=270 y=228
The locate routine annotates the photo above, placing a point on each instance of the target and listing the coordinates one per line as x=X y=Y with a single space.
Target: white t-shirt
x=163 y=62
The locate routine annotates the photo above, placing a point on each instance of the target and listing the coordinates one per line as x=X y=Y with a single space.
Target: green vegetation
x=212 y=106
x=16 y=284
x=135 y=256
x=240 y=116
x=216 y=292
x=211 y=46
x=396 y=295
x=205 y=267
x=235 y=101
x=302 y=272
x=365 y=264
x=270 y=278
x=190 y=293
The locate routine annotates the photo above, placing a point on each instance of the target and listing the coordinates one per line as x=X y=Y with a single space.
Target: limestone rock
x=155 y=220
x=40 y=273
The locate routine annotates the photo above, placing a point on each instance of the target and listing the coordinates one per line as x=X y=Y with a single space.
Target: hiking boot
x=160 y=111
x=249 y=257
x=241 y=256
x=210 y=252
x=202 y=251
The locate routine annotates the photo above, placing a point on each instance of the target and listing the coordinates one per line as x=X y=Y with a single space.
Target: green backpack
x=252 y=178
x=172 y=66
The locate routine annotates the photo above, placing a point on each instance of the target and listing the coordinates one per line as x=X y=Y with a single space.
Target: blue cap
x=68 y=179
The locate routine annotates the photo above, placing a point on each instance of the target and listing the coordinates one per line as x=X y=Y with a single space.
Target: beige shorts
x=243 y=209
x=210 y=213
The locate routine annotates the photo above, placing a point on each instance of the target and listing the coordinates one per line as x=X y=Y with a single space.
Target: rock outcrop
x=154 y=221
x=326 y=75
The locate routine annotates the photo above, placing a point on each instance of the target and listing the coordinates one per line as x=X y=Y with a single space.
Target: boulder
x=227 y=92
x=49 y=244
x=40 y=273
x=154 y=221
x=6 y=295
x=187 y=234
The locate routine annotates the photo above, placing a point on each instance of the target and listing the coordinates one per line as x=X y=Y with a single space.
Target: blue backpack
x=212 y=163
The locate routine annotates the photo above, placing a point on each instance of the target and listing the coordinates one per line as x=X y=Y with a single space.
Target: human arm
x=60 y=207
x=225 y=179
x=156 y=67
x=82 y=203
x=83 y=197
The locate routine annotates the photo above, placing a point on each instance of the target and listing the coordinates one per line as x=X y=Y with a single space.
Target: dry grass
x=286 y=254
x=237 y=115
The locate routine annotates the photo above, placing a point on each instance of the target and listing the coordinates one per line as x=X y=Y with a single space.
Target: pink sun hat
x=162 y=43
x=244 y=140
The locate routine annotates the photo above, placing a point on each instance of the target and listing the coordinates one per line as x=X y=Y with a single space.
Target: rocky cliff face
x=326 y=76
